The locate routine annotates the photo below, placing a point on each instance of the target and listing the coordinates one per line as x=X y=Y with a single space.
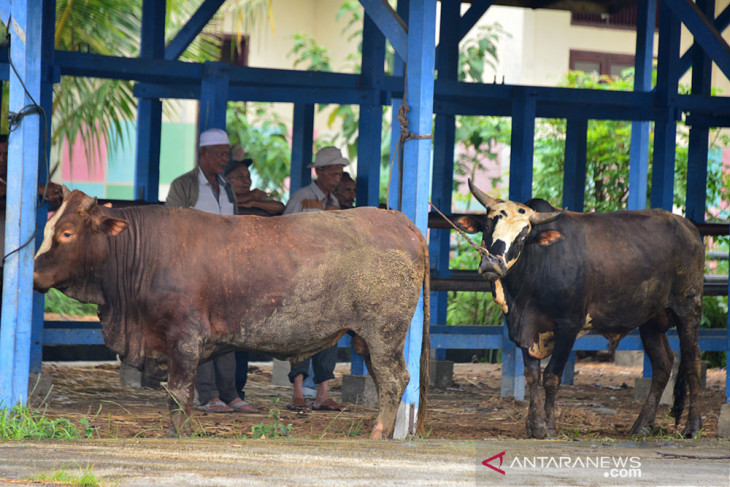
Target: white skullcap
x=214 y=137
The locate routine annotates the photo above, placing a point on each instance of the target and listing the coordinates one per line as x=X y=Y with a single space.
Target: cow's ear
x=470 y=224
x=110 y=225
x=548 y=237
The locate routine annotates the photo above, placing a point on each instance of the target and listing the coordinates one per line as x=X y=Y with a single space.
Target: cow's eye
x=66 y=235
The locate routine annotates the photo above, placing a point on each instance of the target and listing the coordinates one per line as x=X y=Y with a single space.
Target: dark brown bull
x=176 y=286
x=559 y=274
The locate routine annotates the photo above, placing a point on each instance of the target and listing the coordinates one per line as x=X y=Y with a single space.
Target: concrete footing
x=723 y=422
x=629 y=358
x=359 y=389
x=280 y=373
x=132 y=377
x=442 y=374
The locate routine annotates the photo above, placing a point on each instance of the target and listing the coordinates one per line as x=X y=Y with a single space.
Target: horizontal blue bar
x=442 y=337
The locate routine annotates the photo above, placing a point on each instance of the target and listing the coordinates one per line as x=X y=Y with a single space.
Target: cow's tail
x=425 y=346
x=680 y=391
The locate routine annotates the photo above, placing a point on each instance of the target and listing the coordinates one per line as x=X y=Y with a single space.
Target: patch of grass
x=351 y=431
x=275 y=429
x=71 y=475
x=23 y=423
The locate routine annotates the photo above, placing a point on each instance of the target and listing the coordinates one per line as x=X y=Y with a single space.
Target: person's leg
x=324 y=366
x=296 y=376
x=308 y=385
x=241 y=373
x=205 y=384
x=225 y=376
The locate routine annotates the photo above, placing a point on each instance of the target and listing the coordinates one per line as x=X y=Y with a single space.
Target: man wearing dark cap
x=204 y=189
x=318 y=196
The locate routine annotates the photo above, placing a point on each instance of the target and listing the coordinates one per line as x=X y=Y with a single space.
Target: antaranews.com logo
x=609 y=466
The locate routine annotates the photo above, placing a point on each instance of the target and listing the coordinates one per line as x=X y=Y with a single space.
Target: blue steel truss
x=411 y=30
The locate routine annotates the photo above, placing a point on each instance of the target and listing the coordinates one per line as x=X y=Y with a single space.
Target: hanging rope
x=482 y=251
x=405 y=135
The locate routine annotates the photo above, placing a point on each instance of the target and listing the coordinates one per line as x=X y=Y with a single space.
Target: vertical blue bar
x=213 y=96
x=639 y=155
x=417 y=155
x=371 y=116
x=46 y=101
x=443 y=160
x=24 y=152
x=662 y=181
x=520 y=189
x=149 y=110
x=574 y=180
x=699 y=136
x=523 y=144
x=395 y=170
x=301 y=148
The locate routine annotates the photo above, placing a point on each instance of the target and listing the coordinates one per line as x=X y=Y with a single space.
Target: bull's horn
x=479 y=195
x=66 y=191
x=538 y=218
x=87 y=205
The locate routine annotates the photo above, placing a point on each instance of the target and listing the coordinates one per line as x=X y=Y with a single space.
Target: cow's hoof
x=537 y=431
x=378 y=432
x=640 y=430
x=692 y=430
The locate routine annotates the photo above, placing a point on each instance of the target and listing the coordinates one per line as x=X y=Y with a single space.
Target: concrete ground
x=294 y=462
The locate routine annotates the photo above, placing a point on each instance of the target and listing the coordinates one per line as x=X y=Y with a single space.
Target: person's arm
x=271 y=206
x=176 y=196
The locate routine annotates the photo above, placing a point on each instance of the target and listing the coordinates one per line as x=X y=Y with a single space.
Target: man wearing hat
x=319 y=196
x=204 y=189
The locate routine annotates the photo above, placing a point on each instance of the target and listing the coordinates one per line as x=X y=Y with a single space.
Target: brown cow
x=176 y=286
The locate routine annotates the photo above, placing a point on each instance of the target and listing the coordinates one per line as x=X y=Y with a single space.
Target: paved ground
x=295 y=462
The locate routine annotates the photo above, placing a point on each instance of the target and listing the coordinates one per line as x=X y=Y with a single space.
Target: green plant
x=70 y=475
x=264 y=136
x=275 y=429
x=57 y=302
x=23 y=423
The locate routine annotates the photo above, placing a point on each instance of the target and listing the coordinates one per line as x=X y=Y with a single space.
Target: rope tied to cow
x=482 y=251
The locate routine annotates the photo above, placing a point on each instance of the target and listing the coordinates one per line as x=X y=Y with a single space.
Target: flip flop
x=241 y=406
x=298 y=406
x=330 y=405
x=215 y=406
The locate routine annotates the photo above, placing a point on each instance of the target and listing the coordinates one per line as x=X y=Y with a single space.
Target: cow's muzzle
x=492 y=267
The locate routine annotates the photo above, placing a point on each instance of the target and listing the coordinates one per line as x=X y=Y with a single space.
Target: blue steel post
x=697 y=160
x=447 y=64
x=662 y=180
x=395 y=170
x=520 y=189
x=25 y=147
x=370 y=130
x=301 y=147
x=214 y=96
x=639 y=155
x=574 y=183
x=149 y=110
x=416 y=172
x=574 y=179
x=48 y=77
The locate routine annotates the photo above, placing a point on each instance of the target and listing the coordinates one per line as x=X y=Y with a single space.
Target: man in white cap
x=204 y=189
x=318 y=196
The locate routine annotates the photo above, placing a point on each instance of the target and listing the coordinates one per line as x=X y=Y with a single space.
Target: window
x=624 y=18
x=600 y=62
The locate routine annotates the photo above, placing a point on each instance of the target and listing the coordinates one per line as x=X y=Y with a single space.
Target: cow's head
x=74 y=243
x=507 y=228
